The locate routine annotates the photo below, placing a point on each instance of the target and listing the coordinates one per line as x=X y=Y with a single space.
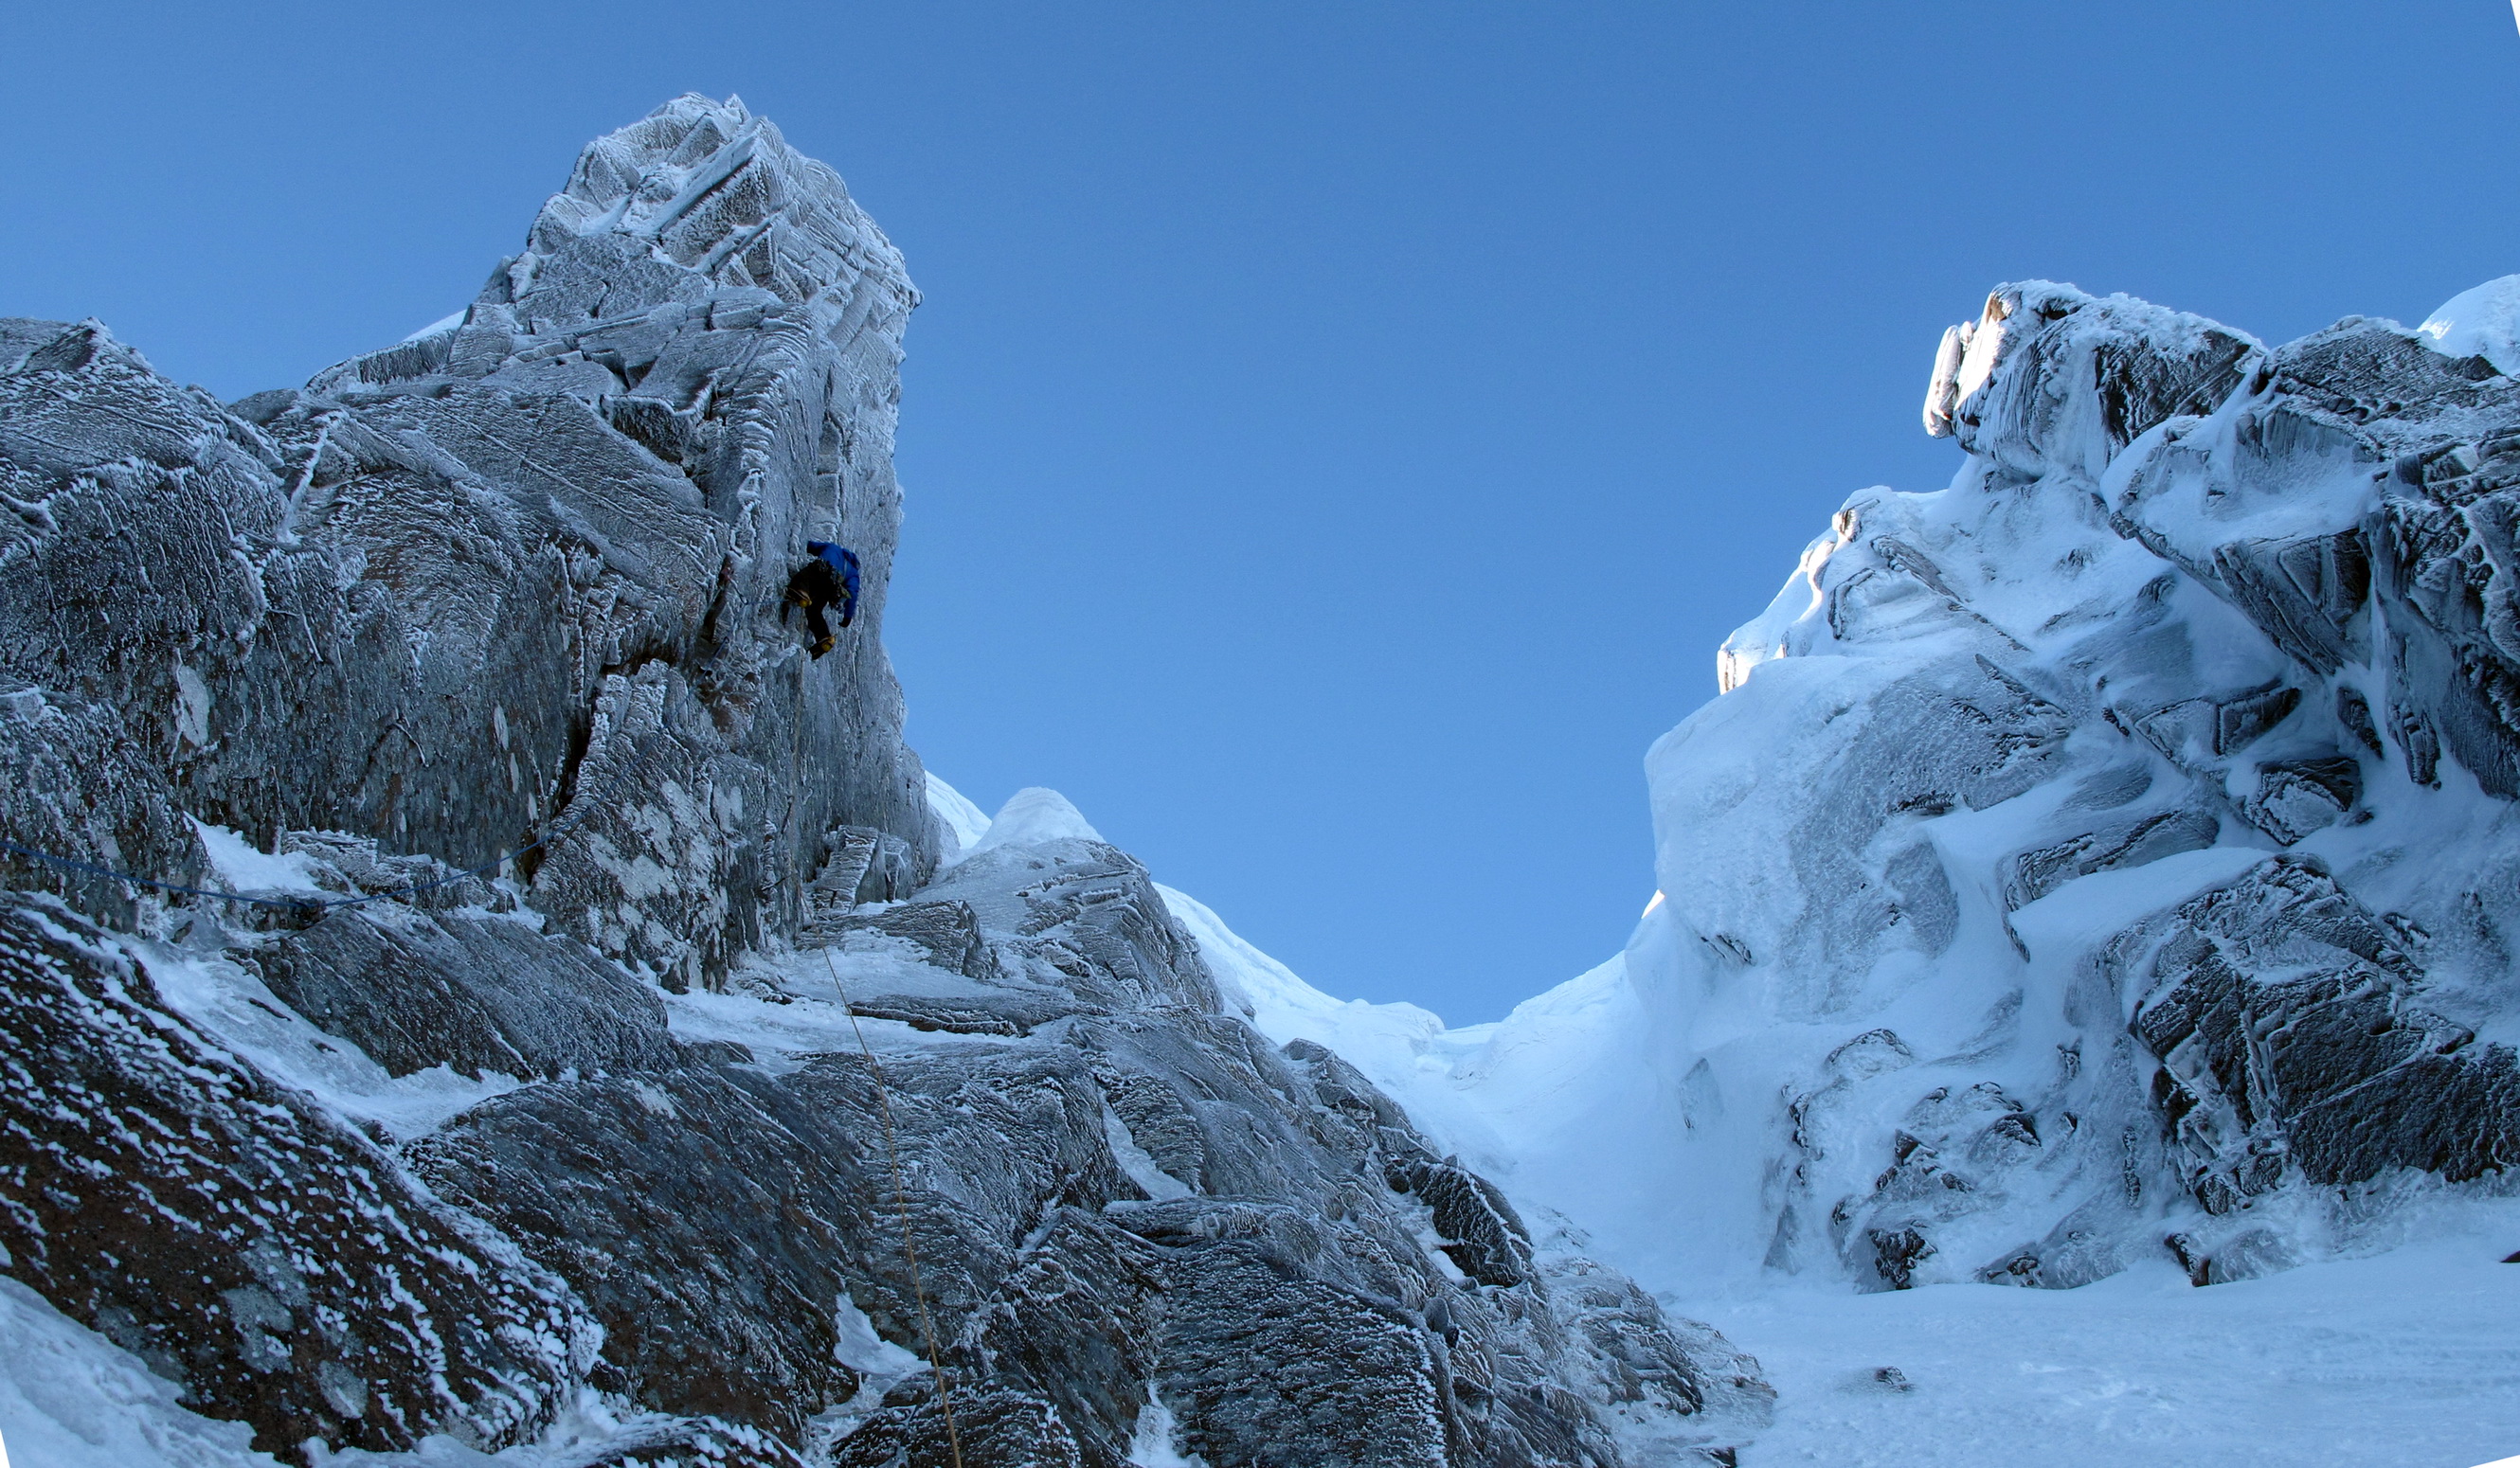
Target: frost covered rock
x=1117 y=1195
x=613 y=1071
x=2107 y=856
x=518 y=574
x=239 y=1239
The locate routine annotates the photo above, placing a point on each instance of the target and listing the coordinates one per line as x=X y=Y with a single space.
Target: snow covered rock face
x=2112 y=852
x=525 y=565
x=619 y=1158
x=239 y=1239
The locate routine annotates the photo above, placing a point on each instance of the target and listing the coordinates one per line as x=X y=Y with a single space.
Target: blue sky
x=1336 y=436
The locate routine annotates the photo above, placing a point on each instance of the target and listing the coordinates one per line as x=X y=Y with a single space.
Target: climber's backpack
x=843 y=563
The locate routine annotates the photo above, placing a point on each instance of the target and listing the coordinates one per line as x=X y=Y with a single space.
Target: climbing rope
x=586 y=805
x=891 y=1150
x=901 y=1207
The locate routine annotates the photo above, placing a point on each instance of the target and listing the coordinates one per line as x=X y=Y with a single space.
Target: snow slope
x=69 y=1399
x=2402 y=1355
x=2160 y=661
x=2404 y=1359
x=2098 y=875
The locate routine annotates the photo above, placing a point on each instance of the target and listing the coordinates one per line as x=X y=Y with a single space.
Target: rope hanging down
x=901 y=1208
x=586 y=807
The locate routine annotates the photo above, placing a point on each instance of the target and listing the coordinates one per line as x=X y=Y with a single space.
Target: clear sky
x=1338 y=435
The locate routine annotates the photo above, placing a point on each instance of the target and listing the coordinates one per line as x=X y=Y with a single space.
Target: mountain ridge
x=2107 y=859
x=733 y=1111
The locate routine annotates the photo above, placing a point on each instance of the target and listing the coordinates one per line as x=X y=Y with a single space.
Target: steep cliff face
x=2108 y=857
x=522 y=567
x=748 y=1117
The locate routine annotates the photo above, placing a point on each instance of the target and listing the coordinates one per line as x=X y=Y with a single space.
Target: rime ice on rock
x=513 y=572
x=2108 y=857
x=586 y=1149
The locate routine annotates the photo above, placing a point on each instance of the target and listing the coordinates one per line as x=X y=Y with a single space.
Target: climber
x=829 y=579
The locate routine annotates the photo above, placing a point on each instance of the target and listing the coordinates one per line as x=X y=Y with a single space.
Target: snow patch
x=2483 y=321
x=1155 y=1443
x=1033 y=815
x=70 y=1399
x=2407 y=1358
x=867 y=1354
x=245 y=867
x=965 y=822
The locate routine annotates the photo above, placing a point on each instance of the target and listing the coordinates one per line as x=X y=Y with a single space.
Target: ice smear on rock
x=243 y=869
x=1152 y=1445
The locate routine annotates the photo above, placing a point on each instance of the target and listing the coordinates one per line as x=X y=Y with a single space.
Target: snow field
x=2409 y=1358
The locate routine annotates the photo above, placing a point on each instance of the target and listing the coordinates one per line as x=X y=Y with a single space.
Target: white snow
x=965 y=822
x=1153 y=1445
x=245 y=867
x=70 y=1399
x=440 y=327
x=2483 y=321
x=1763 y=637
x=869 y=1354
x=1032 y=816
x=879 y=1363
x=2405 y=1358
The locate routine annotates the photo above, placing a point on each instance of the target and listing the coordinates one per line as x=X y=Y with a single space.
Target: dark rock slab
x=2291 y=1043
x=708 y=1217
x=477 y=994
x=240 y=1241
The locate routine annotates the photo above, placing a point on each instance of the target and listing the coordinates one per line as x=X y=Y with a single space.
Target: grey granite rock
x=444 y=597
x=2285 y=1017
x=707 y=1092
x=240 y=1240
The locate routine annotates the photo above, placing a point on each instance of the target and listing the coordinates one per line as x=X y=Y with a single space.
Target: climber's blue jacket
x=843 y=563
x=830 y=579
